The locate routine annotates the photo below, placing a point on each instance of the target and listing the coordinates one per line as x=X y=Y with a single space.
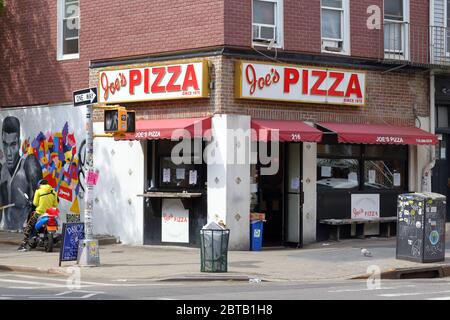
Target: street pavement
x=330 y=261
x=21 y=286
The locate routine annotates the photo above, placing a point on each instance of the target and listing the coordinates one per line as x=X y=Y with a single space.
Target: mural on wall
x=18 y=175
x=52 y=156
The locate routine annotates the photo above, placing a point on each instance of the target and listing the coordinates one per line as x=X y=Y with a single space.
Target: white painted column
x=310 y=192
x=228 y=166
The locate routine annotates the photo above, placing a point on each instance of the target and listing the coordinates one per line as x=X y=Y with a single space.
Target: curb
x=214 y=277
x=101 y=242
x=24 y=269
x=177 y=278
x=410 y=273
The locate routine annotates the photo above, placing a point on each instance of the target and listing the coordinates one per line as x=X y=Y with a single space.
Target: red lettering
x=160 y=73
x=176 y=71
x=322 y=75
x=105 y=86
x=291 y=76
x=123 y=80
x=268 y=81
x=275 y=76
x=339 y=76
x=111 y=88
x=147 y=80
x=354 y=86
x=250 y=75
x=305 y=81
x=261 y=83
x=135 y=79
x=190 y=79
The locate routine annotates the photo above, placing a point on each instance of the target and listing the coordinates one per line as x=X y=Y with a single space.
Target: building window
x=335 y=26
x=442 y=117
x=184 y=173
x=68 y=29
x=361 y=167
x=267 y=23
x=396 y=30
x=447 y=26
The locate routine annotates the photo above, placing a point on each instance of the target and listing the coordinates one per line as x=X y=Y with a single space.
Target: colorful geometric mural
x=60 y=163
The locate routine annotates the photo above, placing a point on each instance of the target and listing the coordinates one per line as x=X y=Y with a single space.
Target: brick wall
x=363 y=41
x=188 y=108
x=391 y=98
x=30 y=73
x=302 y=26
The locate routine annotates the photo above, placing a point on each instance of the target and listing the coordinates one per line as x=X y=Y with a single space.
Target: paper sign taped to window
x=166 y=175
x=192 y=176
x=352 y=176
x=325 y=171
x=397 y=180
x=181 y=172
x=295 y=183
x=372 y=175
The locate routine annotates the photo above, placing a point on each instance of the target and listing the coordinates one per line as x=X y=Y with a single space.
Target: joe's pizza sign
x=299 y=84
x=160 y=82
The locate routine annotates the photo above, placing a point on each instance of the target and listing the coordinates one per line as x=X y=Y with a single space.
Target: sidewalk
x=320 y=261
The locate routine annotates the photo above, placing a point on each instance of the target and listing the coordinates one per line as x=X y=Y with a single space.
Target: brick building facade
x=398 y=90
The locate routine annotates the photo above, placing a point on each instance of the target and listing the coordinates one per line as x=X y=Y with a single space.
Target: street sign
x=85 y=97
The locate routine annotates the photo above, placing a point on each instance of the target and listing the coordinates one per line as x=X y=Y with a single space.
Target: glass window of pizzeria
x=361 y=169
x=175 y=199
x=347 y=169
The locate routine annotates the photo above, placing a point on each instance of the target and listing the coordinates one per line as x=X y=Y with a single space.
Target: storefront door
x=440 y=177
x=294 y=198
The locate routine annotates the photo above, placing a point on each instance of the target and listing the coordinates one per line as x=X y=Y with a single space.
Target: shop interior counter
x=160 y=194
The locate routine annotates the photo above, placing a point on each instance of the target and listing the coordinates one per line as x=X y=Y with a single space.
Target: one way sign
x=85 y=97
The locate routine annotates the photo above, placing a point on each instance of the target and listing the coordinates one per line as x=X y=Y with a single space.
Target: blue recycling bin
x=256 y=234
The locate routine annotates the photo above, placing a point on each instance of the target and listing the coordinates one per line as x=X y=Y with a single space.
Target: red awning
x=379 y=134
x=164 y=128
x=288 y=130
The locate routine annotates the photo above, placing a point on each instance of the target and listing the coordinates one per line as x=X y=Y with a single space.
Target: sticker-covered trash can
x=421 y=227
x=214 y=248
x=256 y=231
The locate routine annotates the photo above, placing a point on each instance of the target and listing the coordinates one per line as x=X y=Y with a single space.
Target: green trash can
x=214 y=250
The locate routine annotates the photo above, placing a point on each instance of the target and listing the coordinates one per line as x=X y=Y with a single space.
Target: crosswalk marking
x=405 y=294
x=367 y=289
x=84 y=284
x=439 y=298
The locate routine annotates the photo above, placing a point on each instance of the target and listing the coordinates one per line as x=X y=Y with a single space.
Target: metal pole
x=88 y=250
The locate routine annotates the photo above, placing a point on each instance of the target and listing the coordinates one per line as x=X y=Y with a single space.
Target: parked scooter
x=44 y=232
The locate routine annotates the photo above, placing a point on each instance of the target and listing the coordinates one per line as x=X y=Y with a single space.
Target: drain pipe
x=426 y=171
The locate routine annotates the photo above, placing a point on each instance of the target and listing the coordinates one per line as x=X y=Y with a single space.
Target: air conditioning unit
x=333 y=45
x=264 y=33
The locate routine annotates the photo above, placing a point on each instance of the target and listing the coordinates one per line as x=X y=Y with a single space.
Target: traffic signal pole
x=88 y=249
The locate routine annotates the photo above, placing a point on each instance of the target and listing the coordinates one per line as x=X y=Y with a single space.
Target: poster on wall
x=174 y=221
x=365 y=206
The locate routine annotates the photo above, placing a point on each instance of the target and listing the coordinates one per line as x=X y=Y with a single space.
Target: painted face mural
x=18 y=175
x=11 y=147
x=59 y=161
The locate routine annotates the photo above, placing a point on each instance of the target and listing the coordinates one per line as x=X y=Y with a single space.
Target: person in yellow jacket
x=45 y=197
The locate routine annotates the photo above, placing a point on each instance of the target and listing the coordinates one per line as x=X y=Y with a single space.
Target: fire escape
x=404 y=44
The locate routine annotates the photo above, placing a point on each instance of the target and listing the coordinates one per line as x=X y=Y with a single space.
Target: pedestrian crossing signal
x=131 y=121
x=119 y=120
